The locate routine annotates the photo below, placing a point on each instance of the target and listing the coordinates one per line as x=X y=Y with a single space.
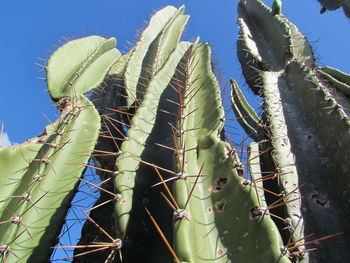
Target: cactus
x=298 y=103
x=172 y=188
x=276 y=7
x=246 y=115
x=138 y=134
x=152 y=50
x=338 y=78
x=39 y=183
x=80 y=66
x=335 y=4
x=173 y=141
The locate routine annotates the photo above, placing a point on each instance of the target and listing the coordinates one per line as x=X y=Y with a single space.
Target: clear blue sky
x=32 y=29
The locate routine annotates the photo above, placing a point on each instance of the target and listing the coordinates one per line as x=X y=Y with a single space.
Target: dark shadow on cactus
x=143 y=241
x=147 y=70
x=57 y=219
x=106 y=96
x=267 y=165
x=316 y=173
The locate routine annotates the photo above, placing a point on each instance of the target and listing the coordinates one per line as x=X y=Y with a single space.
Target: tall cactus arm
x=156 y=44
x=200 y=114
x=134 y=145
x=246 y=115
x=338 y=78
x=302 y=114
x=283 y=156
x=210 y=193
x=38 y=180
x=140 y=153
x=80 y=66
x=275 y=33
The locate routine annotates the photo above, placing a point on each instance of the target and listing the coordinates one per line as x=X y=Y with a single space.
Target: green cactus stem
x=38 y=180
x=210 y=181
x=276 y=7
x=141 y=126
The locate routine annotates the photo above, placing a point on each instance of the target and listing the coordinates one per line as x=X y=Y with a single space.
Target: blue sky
x=32 y=29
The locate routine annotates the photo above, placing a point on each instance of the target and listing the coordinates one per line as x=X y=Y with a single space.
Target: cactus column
x=306 y=121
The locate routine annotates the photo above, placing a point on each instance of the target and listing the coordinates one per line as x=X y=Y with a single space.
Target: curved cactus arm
x=248 y=53
x=80 y=66
x=303 y=117
x=151 y=52
x=141 y=126
x=40 y=179
x=246 y=115
x=338 y=78
x=276 y=33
